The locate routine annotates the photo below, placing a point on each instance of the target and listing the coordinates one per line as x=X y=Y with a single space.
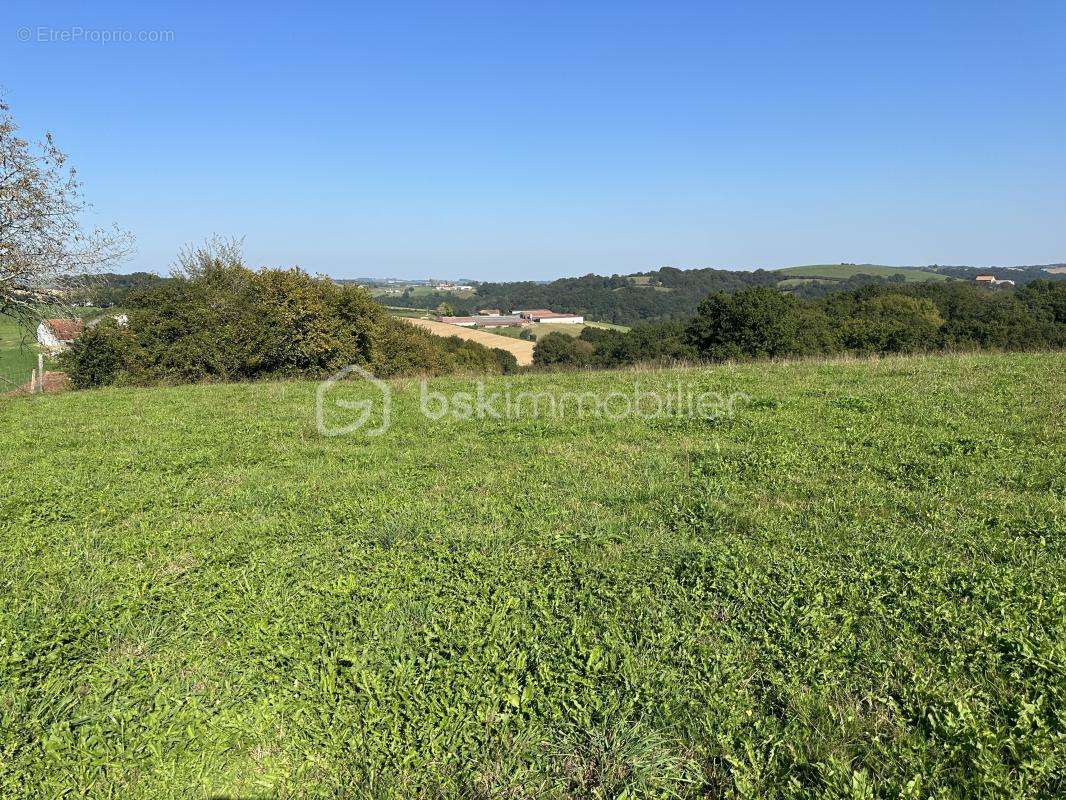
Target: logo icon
x=364 y=407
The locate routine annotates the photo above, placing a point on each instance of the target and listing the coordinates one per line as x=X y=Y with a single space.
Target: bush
x=218 y=320
x=892 y=323
x=100 y=356
x=656 y=343
x=560 y=349
x=507 y=362
x=753 y=323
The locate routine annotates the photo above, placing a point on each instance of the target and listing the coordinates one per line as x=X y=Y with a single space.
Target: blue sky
x=517 y=140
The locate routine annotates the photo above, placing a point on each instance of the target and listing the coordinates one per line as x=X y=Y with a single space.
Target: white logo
x=364 y=407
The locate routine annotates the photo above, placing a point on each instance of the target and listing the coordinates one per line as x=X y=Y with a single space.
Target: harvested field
x=521 y=350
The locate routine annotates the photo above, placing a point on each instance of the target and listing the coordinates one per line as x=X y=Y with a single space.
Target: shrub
x=753 y=323
x=102 y=355
x=563 y=350
x=892 y=323
x=507 y=362
x=218 y=320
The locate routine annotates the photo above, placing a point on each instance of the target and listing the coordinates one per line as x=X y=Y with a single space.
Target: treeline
x=656 y=296
x=110 y=289
x=762 y=322
x=1022 y=276
x=663 y=294
x=217 y=320
x=668 y=293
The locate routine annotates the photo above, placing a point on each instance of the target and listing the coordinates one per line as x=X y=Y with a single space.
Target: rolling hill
x=845 y=271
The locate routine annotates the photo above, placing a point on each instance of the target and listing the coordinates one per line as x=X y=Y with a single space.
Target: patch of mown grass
x=852 y=587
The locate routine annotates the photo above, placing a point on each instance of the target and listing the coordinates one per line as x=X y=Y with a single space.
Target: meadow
x=852 y=586
x=18 y=355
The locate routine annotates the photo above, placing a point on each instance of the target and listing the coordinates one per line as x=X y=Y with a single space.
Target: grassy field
x=843 y=271
x=18 y=355
x=854 y=586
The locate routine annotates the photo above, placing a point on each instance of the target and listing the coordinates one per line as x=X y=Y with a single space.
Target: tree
x=217 y=320
x=505 y=361
x=753 y=323
x=103 y=354
x=893 y=323
x=45 y=252
x=562 y=349
x=446 y=310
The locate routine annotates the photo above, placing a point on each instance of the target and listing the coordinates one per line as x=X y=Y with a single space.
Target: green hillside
x=844 y=271
x=851 y=586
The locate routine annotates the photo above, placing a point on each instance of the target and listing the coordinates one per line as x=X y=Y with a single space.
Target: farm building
x=57 y=334
x=484 y=321
x=562 y=319
x=553 y=317
x=992 y=280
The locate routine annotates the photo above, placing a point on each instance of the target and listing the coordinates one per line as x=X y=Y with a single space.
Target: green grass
x=843 y=271
x=18 y=355
x=854 y=587
x=401 y=311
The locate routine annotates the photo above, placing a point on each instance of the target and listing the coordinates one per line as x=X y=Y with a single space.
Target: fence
x=21 y=371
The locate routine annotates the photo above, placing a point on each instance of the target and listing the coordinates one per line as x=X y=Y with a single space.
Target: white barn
x=57 y=334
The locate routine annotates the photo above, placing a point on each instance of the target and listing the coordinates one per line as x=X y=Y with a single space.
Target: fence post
x=33 y=380
x=40 y=372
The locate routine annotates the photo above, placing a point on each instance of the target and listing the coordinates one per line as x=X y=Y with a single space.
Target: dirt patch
x=54 y=381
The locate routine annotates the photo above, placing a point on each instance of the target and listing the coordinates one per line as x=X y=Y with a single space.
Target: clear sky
x=506 y=140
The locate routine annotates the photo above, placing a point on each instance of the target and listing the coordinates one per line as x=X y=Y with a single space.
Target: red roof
x=65 y=330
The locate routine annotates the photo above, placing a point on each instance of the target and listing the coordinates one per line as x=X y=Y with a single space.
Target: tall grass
x=853 y=587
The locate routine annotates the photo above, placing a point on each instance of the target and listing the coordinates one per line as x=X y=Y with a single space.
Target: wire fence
x=19 y=357
x=18 y=371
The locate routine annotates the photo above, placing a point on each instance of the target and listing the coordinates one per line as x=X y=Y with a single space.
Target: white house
x=57 y=334
x=992 y=280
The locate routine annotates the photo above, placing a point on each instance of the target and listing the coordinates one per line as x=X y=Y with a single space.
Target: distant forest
x=761 y=322
x=669 y=294
x=661 y=295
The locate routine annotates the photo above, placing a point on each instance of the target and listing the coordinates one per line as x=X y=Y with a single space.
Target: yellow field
x=522 y=350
